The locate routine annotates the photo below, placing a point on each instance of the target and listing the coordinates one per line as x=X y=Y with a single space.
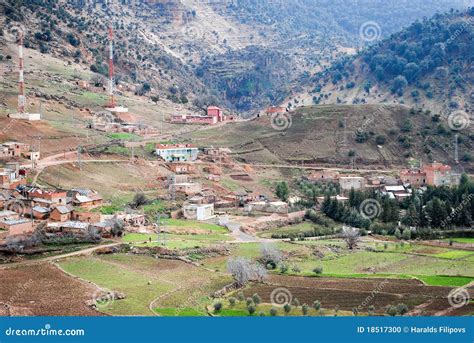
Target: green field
x=146 y=281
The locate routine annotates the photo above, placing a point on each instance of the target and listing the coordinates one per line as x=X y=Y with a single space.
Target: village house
x=198 y=211
x=323 y=176
x=349 y=182
x=177 y=152
x=13 y=150
x=88 y=217
x=413 y=177
x=275 y=110
x=17 y=227
x=61 y=213
x=438 y=174
x=85 y=198
x=71 y=227
x=47 y=197
x=182 y=168
x=396 y=192
x=213 y=116
x=40 y=213
x=187 y=188
x=8 y=215
x=267 y=206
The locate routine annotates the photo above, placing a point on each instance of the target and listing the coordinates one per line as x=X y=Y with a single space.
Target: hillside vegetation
x=200 y=52
x=427 y=64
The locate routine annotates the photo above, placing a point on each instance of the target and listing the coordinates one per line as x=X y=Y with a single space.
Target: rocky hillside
x=428 y=64
x=241 y=54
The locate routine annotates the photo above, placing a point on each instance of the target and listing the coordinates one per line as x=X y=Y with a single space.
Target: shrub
x=251 y=309
x=318 y=270
x=287 y=308
x=283 y=268
x=261 y=314
x=371 y=310
x=380 y=140
x=406 y=235
x=273 y=312
x=249 y=301
x=256 y=299
x=241 y=296
x=217 y=306
x=296 y=302
x=392 y=311
x=317 y=305
x=232 y=301
x=296 y=269
x=402 y=309
x=305 y=309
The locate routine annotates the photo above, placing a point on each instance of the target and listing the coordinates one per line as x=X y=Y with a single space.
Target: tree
x=399 y=84
x=317 y=305
x=287 y=308
x=243 y=270
x=217 y=307
x=271 y=256
x=117 y=226
x=139 y=199
x=351 y=236
x=273 y=312
x=305 y=309
x=232 y=301
x=398 y=234
x=282 y=191
x=256 y=299
x=318 y=270
x=406 y=235
x=251 y=309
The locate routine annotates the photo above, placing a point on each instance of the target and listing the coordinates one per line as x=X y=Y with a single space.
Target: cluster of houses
x=432 y=174
x=16 y=150
x=118 y=119
x=213 y=116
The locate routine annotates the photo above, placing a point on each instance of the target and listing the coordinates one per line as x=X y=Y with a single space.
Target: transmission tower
x=456 y=148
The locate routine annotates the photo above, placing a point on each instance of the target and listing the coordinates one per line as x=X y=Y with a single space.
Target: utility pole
x=160 y=230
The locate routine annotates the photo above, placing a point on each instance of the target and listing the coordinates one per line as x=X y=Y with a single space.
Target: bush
x=251 y=309
x=256 y=299
x=380 y=140
x=392 y=311
x=240 y=296
x=249 y=301
x=232 y=301
x=318 y=270
x=287 y=308
x=406 y=235
x=296 y=302
x=217 y=307
x=317 y=305
x=402 y=309
x=305 y=309
x=273 y=312
x=283 y=268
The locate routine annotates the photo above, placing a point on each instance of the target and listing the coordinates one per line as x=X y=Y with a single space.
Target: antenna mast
x=111 y=103
x=21 y=79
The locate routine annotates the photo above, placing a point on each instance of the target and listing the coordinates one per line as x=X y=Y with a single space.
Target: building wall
x=347 y=183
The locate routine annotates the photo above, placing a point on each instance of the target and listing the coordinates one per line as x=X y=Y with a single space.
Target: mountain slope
x=429 y=64
x=174 y=48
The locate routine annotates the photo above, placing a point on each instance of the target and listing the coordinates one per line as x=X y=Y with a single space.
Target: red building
x=275 y=109
x=214 y=115
x=415 y=177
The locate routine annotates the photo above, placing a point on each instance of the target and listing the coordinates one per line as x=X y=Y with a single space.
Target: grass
x=462 y=240
x=179 y=312
x=171 y=285
x=125 y=136
x=288 y=230
x=445 y=280
x=455 y=254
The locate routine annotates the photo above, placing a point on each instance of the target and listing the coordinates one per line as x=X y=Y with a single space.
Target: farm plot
x=147 y=283
x=44 y=290
x=347 y=294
